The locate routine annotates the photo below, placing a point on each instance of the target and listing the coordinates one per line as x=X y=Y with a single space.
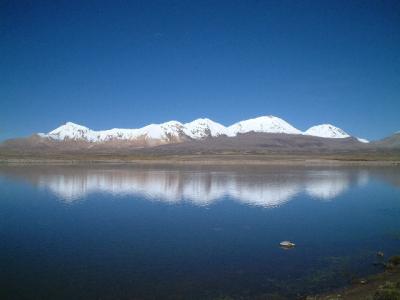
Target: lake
x=125 y=232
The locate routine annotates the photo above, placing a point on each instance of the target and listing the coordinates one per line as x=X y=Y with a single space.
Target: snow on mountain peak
x=164 y=131
x=71 y=131
x=71 y=126
x=174 y=131
x=327 y=131
x=268 y=124
x=365 y=141
x=203 y=127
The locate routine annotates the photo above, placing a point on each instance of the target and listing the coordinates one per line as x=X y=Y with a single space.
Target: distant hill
x=392 y=141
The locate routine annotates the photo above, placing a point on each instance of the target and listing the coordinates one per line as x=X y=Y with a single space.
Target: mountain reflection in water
x=269 y=187
x=130 y=232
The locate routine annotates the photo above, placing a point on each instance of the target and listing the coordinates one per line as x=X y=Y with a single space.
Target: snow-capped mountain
x=174 y=131
x=166 y=131
x=202 y=128
x=327 y=131
x=268 y=124
x=70 y=131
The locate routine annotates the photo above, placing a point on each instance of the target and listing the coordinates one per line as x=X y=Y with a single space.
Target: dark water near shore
x=192 y=233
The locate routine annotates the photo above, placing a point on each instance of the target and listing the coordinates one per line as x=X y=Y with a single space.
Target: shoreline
x=321 y=163
x=380 y=286
x=212 y=159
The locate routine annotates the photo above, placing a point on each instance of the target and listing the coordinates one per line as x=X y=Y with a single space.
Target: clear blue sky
x=108 y=64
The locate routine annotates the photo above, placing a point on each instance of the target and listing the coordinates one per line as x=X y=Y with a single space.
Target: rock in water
x=287 y=244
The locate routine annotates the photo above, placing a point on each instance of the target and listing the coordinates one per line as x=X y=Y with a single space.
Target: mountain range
x=265 y=133
x=174 y=131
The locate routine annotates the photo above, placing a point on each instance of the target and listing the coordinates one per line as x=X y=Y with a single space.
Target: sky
x=125 y=64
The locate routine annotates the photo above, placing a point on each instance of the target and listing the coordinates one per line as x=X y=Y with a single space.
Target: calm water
x=192 y=233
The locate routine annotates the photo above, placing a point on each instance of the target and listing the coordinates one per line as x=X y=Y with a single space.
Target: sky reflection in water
x=125 y=232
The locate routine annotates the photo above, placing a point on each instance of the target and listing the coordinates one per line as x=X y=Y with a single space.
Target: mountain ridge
x=262 y=135
x=175 y=131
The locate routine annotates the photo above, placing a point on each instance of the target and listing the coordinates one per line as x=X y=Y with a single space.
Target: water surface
x=192 y=233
